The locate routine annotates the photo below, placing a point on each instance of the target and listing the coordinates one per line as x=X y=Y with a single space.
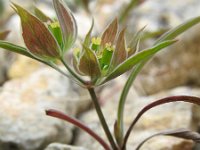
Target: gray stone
x=23 y=123
x=168 y=116
x=57 y=146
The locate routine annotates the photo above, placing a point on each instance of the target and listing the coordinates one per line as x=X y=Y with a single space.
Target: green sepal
x=55 y=29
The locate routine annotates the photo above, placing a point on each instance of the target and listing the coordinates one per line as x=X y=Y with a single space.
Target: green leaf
x=120 y=53
x=67 y=23
x=14 y=48
x=179 y=133
x=137 y=58
x=110 y=33
x=89 y=64
x=41 y=15
x=123 y=96
x=4 y=34
x=171 y=34
x=37 y=37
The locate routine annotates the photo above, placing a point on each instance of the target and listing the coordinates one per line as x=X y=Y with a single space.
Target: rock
x=57 y=146
x=23 y=123
x=23 y=67
x=169 y=116
x=178 y=65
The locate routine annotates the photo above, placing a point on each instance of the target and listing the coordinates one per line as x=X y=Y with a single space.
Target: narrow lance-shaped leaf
x=23 y=51
x=183 y=98
x=77 y=123
x=179 y=133
x=4 y=34
x=122 y=101
x=110 y=33
x=14 y=48
x=120 y=53
x=43 y=17
x=37 y=37
x=169 y=35
x=67 y=23
x=178 y=30
x=89 y=64
x=135 y=59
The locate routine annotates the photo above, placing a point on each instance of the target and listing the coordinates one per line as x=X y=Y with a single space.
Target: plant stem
x=77 y=123
x=71 y=71
x=102 y=118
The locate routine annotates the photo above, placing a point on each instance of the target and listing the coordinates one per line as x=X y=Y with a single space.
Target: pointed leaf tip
x=41 y=15
x=110 y=33
x=120 y=53
x=67 y=23
x=36 y=36
x=88 y=36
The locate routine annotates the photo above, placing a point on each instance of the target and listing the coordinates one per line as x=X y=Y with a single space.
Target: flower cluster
x=100 y=58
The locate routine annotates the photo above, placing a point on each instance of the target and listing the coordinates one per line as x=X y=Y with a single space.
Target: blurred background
x=28 y=87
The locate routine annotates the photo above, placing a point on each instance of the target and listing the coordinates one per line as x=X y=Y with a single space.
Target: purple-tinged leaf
x=4 y=34
x=110 y=33
x=120 y=53
x=67 y=23
x=179 y=133
x=77 y=123
x=43 y=17
x=89 y=64
x=183 y=98
x=36 y=36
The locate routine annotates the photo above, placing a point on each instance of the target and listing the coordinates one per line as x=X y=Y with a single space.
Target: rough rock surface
x=23 y=123
x=169 y=116
x=23 y=67
x=57 y=146
x=178 y=64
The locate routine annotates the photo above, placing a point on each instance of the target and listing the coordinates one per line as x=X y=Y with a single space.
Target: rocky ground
x=28 y=87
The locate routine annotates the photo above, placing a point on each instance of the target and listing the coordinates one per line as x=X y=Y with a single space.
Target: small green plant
x=98 y=60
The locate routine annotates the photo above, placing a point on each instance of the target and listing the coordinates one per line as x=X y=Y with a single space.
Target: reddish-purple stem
x=189 y=99
x=77 y=123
